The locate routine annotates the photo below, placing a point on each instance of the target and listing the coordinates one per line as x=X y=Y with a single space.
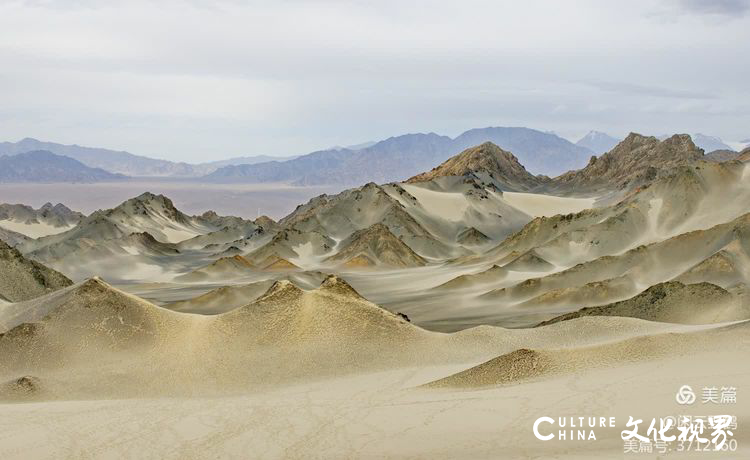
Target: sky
x=200 y=80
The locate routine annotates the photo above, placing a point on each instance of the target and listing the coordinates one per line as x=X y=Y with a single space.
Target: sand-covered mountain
x=636 y=160
x=375 y=245
x=617 y=277
x=47 y=220
x=291 y=247
x=140 y=236
x=540 y=152
x=681 y=227
x=155 y=214
x=673 y=302
x=598 y=142
x=232 y=232
x=401 y=157
x=45 y=166
x=427 y=217
x=315 y=332
x=457 y=209
x=22 y=279
x=221 y=269
x=744 y=155
x=488 y=158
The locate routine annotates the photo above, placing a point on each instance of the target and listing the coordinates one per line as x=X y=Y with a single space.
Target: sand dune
x=223 y=299
x=674 y=302
x=221 y=269
x=35 y=230
x=490 y=275
x=594 y=293
x=538 y=205
x=124 y=345
x=377 y=245
x=529 y=364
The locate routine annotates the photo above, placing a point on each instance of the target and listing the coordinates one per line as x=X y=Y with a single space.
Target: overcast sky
x=199 y=80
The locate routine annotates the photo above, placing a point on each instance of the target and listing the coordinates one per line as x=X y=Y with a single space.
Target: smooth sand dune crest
x=529 y=364
x=127 y=347
x=674 y=302
x=222 y=299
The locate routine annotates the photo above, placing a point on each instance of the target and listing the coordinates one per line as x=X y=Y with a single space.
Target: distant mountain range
x=120 y=162
x=251 y=160
x=401 y=157
x=44 y=166
x=598 y=142
x=465 y=205
x=709 y=143
x=110 y=160
x=393 y=159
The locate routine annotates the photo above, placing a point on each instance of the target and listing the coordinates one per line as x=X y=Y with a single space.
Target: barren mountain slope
x=23 y=279
x=375 y=245
x=636 y=160
x=47 y=220
x=488 y=158
x=673 y=302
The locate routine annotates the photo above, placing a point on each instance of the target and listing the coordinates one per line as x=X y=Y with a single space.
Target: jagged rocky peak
x=335 y=284
x=23 y=279
x=141 y=204
x=281 y=289
x=487 y=158
x=637 y=158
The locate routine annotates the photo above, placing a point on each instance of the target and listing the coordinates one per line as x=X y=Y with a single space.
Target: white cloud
x=187 y=79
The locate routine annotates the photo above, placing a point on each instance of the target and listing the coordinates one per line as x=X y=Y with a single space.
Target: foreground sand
x=388 y=414
x=367 y=416
x=89 y=371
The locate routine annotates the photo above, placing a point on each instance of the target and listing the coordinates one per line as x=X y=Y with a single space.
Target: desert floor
x=384 y=415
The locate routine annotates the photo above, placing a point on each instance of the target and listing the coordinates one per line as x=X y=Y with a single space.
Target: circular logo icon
x=685 y=395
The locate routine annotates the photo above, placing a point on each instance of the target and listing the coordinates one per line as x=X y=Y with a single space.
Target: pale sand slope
x=538 y=205
x=34 y=230
x=386 y=415
x=326 y=374
x=125 y=346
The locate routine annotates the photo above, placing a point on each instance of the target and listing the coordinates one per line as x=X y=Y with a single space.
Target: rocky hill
x=58 y=215
x=637 y=159
x=23 y=279
x=488 y=158
x=376 y=245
